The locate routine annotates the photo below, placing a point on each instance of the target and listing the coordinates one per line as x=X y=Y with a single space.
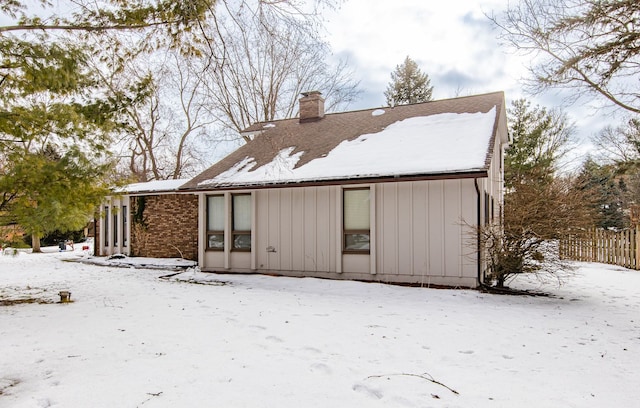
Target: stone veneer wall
x=165 y=226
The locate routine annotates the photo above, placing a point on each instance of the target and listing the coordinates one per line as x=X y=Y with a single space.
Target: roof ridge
x=266 y=122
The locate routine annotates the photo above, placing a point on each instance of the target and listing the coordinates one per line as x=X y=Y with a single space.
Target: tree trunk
x=35 y=243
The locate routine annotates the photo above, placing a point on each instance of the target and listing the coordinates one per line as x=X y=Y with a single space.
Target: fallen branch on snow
x=151 y=395
x=424 y=376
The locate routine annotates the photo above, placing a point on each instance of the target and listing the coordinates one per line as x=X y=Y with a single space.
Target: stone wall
x=165 y=226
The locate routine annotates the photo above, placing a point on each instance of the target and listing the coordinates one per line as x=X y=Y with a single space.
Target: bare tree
x=620 y=145
x=589 y=46
x=619 y=148
x=251 y=67
x=163 y=116
x=539 y=206
x=535 y=217
x=159 y=101
x=264 y=62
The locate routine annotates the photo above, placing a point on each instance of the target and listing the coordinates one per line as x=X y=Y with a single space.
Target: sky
x=453 y=41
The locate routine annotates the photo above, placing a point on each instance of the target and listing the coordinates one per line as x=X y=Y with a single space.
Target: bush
x=55 y=237
x=536 y=216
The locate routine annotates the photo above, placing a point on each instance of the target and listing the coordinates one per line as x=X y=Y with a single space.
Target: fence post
x=612 y=247
x=637 y=244
x=594 y=246
x=625 y=247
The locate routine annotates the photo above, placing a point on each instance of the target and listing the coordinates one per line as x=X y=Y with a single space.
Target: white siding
x=294 y=230
x=116 y=221
x=422 y=231
x=418 y=234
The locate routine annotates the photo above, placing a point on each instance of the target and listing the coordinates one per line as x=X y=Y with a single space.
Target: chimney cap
x=311 y=93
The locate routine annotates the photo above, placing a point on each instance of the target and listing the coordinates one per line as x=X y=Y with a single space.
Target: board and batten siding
x=418 y=234
x=295 y=225
x=422 y=232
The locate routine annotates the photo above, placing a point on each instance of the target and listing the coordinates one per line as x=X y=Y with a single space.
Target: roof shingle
x=444 y=136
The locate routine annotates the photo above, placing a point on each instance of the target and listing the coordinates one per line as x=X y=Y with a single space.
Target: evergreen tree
x=408 y=85
x=53 y=191
x=607 y=191
x=50 y=96
x=54 y=125
x=539 y=139
x=53 y=137
x=539 y=205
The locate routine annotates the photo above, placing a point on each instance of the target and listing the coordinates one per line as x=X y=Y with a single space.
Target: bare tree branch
x=588 y=46
x=424 y=376
x=268 y=62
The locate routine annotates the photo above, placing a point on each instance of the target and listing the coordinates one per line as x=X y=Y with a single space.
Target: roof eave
x=465 y=174
x=153 y=192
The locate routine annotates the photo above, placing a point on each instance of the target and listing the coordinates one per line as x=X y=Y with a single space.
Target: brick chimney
x=311 y=106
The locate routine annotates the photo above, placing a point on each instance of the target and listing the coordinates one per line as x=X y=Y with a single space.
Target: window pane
x=242 y=212
x=125 y=230
x=105 y=233
x=356 y=209
x=115 y=227
x=356 y=242
x=242 y=241
x=216 y=241
x=215 y=213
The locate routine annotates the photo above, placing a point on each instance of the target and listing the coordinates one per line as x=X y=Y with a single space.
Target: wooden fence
x=613 y=247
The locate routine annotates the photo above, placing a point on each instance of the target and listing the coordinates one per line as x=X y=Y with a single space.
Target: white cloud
x=444 y=38
x=453 y=41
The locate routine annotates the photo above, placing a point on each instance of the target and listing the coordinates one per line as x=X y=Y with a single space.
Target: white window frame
x=356 y=227
x=245 y=219
x=215 y=227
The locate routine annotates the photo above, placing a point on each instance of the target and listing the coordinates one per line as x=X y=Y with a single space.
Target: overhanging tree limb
x=586 y=45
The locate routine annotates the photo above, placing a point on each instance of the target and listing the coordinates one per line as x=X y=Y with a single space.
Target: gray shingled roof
x=314 y=140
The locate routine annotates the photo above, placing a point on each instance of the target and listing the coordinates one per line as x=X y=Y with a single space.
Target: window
x=105 y=233
x=217 y=214
x=115 y=227
x=487 y=208
x=125 y=230
x=241 y=222
x=356 y=211
x=215 y=222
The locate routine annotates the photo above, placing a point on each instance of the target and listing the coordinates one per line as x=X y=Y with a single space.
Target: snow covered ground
x=132 y=339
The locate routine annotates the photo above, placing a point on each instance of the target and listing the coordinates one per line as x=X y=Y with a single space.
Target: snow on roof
x=440 y=143
x=156 y=185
